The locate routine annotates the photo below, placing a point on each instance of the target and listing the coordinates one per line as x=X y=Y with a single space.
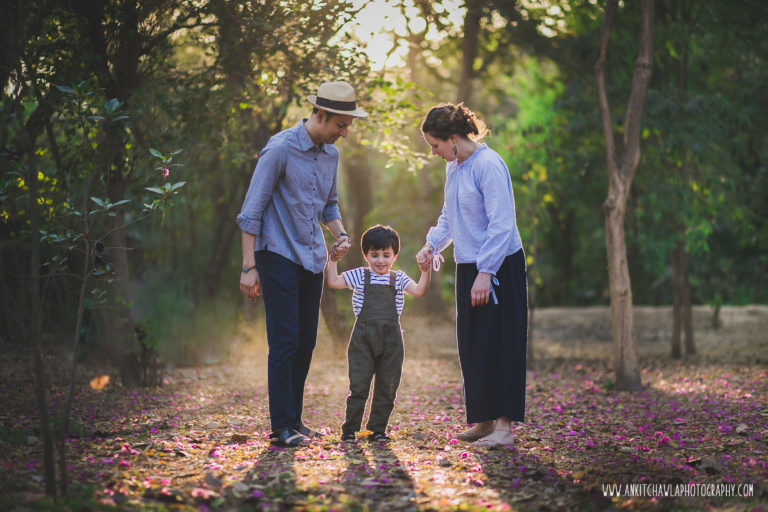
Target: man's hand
x=340 y=247
x=249 y=284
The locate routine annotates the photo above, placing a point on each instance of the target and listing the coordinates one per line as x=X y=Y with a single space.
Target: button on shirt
x=292 y=190
x=479 y=212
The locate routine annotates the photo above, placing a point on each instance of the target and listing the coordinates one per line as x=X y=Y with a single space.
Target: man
x=292 y=190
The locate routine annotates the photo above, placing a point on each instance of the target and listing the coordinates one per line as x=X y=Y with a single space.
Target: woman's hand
x=424 y=257
x=481 y=289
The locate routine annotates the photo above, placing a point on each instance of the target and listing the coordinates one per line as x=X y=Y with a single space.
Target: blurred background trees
x=216 y=78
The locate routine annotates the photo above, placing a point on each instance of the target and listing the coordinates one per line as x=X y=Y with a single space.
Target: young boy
x=376 y=344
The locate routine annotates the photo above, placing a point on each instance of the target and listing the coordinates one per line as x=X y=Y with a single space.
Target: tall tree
x=469 y=49
x=621 y=171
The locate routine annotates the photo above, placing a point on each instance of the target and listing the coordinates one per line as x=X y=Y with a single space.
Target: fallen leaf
x=238 y=438
x=100 y=382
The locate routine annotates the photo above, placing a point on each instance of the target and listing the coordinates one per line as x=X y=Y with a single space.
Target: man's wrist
x=343 y=234
x=247 y=269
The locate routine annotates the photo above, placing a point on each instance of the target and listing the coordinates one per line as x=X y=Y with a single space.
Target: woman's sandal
x=289 y=438
x=473 y=434
x=495 y=439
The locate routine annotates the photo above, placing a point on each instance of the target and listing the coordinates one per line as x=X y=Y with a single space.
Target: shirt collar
x=305 y=141
x=482 y=147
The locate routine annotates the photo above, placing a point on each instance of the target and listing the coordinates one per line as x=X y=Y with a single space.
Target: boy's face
x=380 y=260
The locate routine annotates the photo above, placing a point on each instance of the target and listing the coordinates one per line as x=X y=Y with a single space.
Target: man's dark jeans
x=292 y=305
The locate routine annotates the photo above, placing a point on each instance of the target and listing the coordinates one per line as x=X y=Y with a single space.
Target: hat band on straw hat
x=336 y=105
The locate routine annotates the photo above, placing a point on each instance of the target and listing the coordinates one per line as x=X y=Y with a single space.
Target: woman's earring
x=455 y=151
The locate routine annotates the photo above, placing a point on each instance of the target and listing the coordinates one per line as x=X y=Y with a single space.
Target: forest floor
x=697 y=431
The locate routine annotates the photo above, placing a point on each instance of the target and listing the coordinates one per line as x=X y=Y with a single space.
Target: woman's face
x=442 y=148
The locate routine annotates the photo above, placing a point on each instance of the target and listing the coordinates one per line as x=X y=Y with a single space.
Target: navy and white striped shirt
x=355 y=279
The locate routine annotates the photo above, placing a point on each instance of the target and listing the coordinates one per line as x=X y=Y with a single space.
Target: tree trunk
x=469 y=45
x=35 y=317
x=677 y=312
x=119 y=334
x=235 y=64
x=687 y=311
x=118 y=75
x=358 y=200
x=622 y=318
x=225 y=232
x=684 y=285
x=621 y=171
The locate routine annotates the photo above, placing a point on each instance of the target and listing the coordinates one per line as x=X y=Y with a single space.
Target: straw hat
x=336 y=97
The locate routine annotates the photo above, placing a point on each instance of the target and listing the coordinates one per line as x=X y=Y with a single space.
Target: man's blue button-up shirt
x=293 y=190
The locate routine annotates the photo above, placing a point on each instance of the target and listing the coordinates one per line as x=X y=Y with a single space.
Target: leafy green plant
x=168 y=187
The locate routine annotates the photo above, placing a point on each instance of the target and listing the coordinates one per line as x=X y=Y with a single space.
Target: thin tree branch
x=602 y=97
x=642 y=76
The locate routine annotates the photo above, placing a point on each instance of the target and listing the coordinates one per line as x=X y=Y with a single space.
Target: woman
x=478 y=216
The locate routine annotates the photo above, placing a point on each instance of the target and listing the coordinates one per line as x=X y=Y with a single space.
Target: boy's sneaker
x=348 y=437
x=380 y=437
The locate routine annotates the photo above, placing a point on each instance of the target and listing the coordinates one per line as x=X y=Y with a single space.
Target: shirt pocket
x=325 y=172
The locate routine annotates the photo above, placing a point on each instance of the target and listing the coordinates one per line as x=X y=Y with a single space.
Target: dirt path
x=198 y=443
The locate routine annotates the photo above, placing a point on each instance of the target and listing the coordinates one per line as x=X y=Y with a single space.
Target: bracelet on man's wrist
x=248 y=269
x=343 y=234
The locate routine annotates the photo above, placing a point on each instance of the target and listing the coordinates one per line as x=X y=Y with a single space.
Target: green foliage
x=218 y=79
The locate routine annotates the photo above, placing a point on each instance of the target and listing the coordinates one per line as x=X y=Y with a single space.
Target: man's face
x=333 y=128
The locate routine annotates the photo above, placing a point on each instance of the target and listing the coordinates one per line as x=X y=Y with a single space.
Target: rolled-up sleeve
x=269 y=169
x=500 y=210
x=439 y=236
x=331 y=210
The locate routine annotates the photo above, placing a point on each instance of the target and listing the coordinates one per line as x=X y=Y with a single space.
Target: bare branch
x=178 y=24
x=634 y=118
x=602 y=97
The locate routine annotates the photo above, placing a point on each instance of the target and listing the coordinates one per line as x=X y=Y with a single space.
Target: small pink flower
x=166 y=172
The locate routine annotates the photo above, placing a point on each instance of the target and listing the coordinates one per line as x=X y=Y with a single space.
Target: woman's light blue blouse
x=478 y=213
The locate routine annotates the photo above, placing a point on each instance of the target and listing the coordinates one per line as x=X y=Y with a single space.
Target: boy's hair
x=379 y=238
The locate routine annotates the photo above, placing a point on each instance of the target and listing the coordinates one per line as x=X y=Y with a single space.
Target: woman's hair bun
x=448 y=119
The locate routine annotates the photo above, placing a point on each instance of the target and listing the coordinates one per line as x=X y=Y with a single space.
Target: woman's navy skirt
x=492 y=342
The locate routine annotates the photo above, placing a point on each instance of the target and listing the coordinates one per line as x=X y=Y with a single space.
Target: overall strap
x=367 y=277
x=392 y=275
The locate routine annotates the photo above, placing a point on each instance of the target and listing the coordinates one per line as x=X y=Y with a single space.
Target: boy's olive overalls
x=375 y=348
